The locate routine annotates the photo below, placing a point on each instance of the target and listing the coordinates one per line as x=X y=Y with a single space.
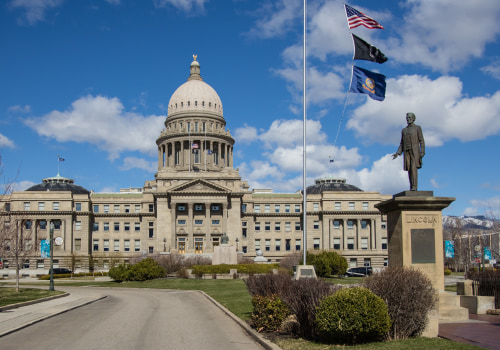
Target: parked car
x=359 y=271
x=59 y=270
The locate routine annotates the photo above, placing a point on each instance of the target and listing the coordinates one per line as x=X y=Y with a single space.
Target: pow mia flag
x=365 y=51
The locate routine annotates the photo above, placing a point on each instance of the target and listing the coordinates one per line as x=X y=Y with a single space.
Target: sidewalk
x=14 y=319
x=480 y=330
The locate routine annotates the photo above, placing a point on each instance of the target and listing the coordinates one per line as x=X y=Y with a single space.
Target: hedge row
x=69 y=275
x=241 y=268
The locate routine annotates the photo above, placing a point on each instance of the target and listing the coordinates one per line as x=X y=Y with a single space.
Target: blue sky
x=90 y=80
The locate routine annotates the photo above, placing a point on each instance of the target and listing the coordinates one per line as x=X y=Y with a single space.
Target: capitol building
x=195 y=198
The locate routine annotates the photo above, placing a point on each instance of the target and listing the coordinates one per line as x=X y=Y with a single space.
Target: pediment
x=199 y=186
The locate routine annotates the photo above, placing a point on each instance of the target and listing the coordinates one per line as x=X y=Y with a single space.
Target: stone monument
x=224 y=253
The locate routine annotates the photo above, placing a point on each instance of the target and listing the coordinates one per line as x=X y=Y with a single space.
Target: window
x=106 y=208
x=316 y=225
x=198 y=207
x=215 y=222
x=276 y=208
x=78 y=244
x=267 y=208
x=127 y=226
x=41 y=206
x=55 y=206
x=297 y=208
x=384 y=243
x=267 y=226
x=257 y=244
x=315 y=206
x=215 y=207
x=78 y=206
x=7 y=206
x=386 y=261
x=298 y=227
x=26 y=205
x=57 y=224
x=287 y=245
x=116 y=226
x=198 y=245
x=106 y=226
x=350 y=243
x=137 y=245
x=316 y=243
x=95 y=208
x=78 y=225
x=181 y=207
x=278 y=245
x=43 y=225
x=137 y=226
x=244 y=229
x=244 y=249
x=364 y=243
x=288 y=226
x=367 y=262
x=116 y=245
x=127 y=208
x=383 y=226
x=151 y=229
x=137 y=208
x=337 y=206
x=287 y=208
x=106 y=245
x=243 y=208
x=351 y=205
x=365 y=205
x=126 y=245
x=257 y=208
x=268 y=245
x=198 y=222
x=116 y=208
x=336 y=243
x=95 y=226
x=27 y=225
x=353 y=262
x=257 y=226
x=277 y=226
x=95 y=245
x=151 y=208
x=350 y=224
x=297 y=244
x=336 y=224
x=364 y=224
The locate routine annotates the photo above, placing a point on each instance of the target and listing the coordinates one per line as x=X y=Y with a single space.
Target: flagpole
x=205 y=150
x=57 y=167
x=304 y=173
x=190 y=146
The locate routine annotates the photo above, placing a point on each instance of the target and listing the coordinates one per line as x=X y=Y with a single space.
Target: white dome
x=195 y=97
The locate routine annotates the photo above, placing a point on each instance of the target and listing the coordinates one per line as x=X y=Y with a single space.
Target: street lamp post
x=51 y=285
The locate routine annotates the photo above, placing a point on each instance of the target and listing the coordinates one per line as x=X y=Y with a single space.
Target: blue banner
x=449 y=249
x=45 y=248
x=487 y=253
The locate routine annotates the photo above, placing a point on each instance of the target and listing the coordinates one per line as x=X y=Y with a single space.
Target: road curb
x=254 y=334
x=31 y=302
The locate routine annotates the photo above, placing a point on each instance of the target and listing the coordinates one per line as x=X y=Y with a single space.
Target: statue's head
x=410 y=117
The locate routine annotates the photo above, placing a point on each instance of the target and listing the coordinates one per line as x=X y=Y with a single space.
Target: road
x=137 y=319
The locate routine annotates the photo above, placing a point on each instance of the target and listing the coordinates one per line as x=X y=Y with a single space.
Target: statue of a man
x=413 y=146
x=224 y=239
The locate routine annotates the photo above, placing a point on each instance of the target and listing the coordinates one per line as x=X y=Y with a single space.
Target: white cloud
x=246 y=134
x=34 y=10
x=113 y=2
x=5 y=142
x=103 y=122
x=446 y=34
x=275 y=19
x=23 y=185
x=493 y=69
x=139 y=163
x=440 y=107
x=184 y=5
x=489 y=207
x=20 y=109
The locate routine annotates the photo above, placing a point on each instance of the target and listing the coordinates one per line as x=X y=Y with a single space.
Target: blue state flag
x=487 y=253
x=367 y=82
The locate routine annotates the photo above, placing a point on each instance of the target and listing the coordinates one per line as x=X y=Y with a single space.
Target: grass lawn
x=9 y=296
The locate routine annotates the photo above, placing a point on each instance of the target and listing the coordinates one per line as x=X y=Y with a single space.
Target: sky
x=89 y=81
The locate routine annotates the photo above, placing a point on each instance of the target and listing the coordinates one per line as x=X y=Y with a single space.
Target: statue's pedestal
x=224 y=254
x=415 y=230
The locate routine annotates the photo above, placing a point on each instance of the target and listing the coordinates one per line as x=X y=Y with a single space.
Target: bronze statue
x=224 y=239
x=413 y=146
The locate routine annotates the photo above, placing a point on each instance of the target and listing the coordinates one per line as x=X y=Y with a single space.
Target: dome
x=331 y=184
x=195 y=97
x=59 y=183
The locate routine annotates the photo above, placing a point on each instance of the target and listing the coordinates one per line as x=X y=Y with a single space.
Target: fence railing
x=487 y=286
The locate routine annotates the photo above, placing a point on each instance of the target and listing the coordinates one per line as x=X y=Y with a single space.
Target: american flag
x=194 y=146
x=356 y=19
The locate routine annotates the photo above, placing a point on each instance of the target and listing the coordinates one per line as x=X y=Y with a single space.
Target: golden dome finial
x=194 y=57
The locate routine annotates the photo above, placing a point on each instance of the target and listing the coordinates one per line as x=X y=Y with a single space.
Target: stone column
x=207 y=225
x=224 y=217
x=159 y=158
x=373 y=242
x=344 y=234
x=190 y=225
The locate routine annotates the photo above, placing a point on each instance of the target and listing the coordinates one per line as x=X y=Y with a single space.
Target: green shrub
x=447 y=272
x=268 y=312
x=200 y=270
x=144 y=270
x=409 y=296
x=327 y=263
x=352 y=315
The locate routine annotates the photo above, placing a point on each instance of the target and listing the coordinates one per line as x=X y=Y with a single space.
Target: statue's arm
x=421 y=141
x=400 y=149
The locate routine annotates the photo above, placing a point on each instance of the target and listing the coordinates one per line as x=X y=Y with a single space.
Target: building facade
x=195 y=197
